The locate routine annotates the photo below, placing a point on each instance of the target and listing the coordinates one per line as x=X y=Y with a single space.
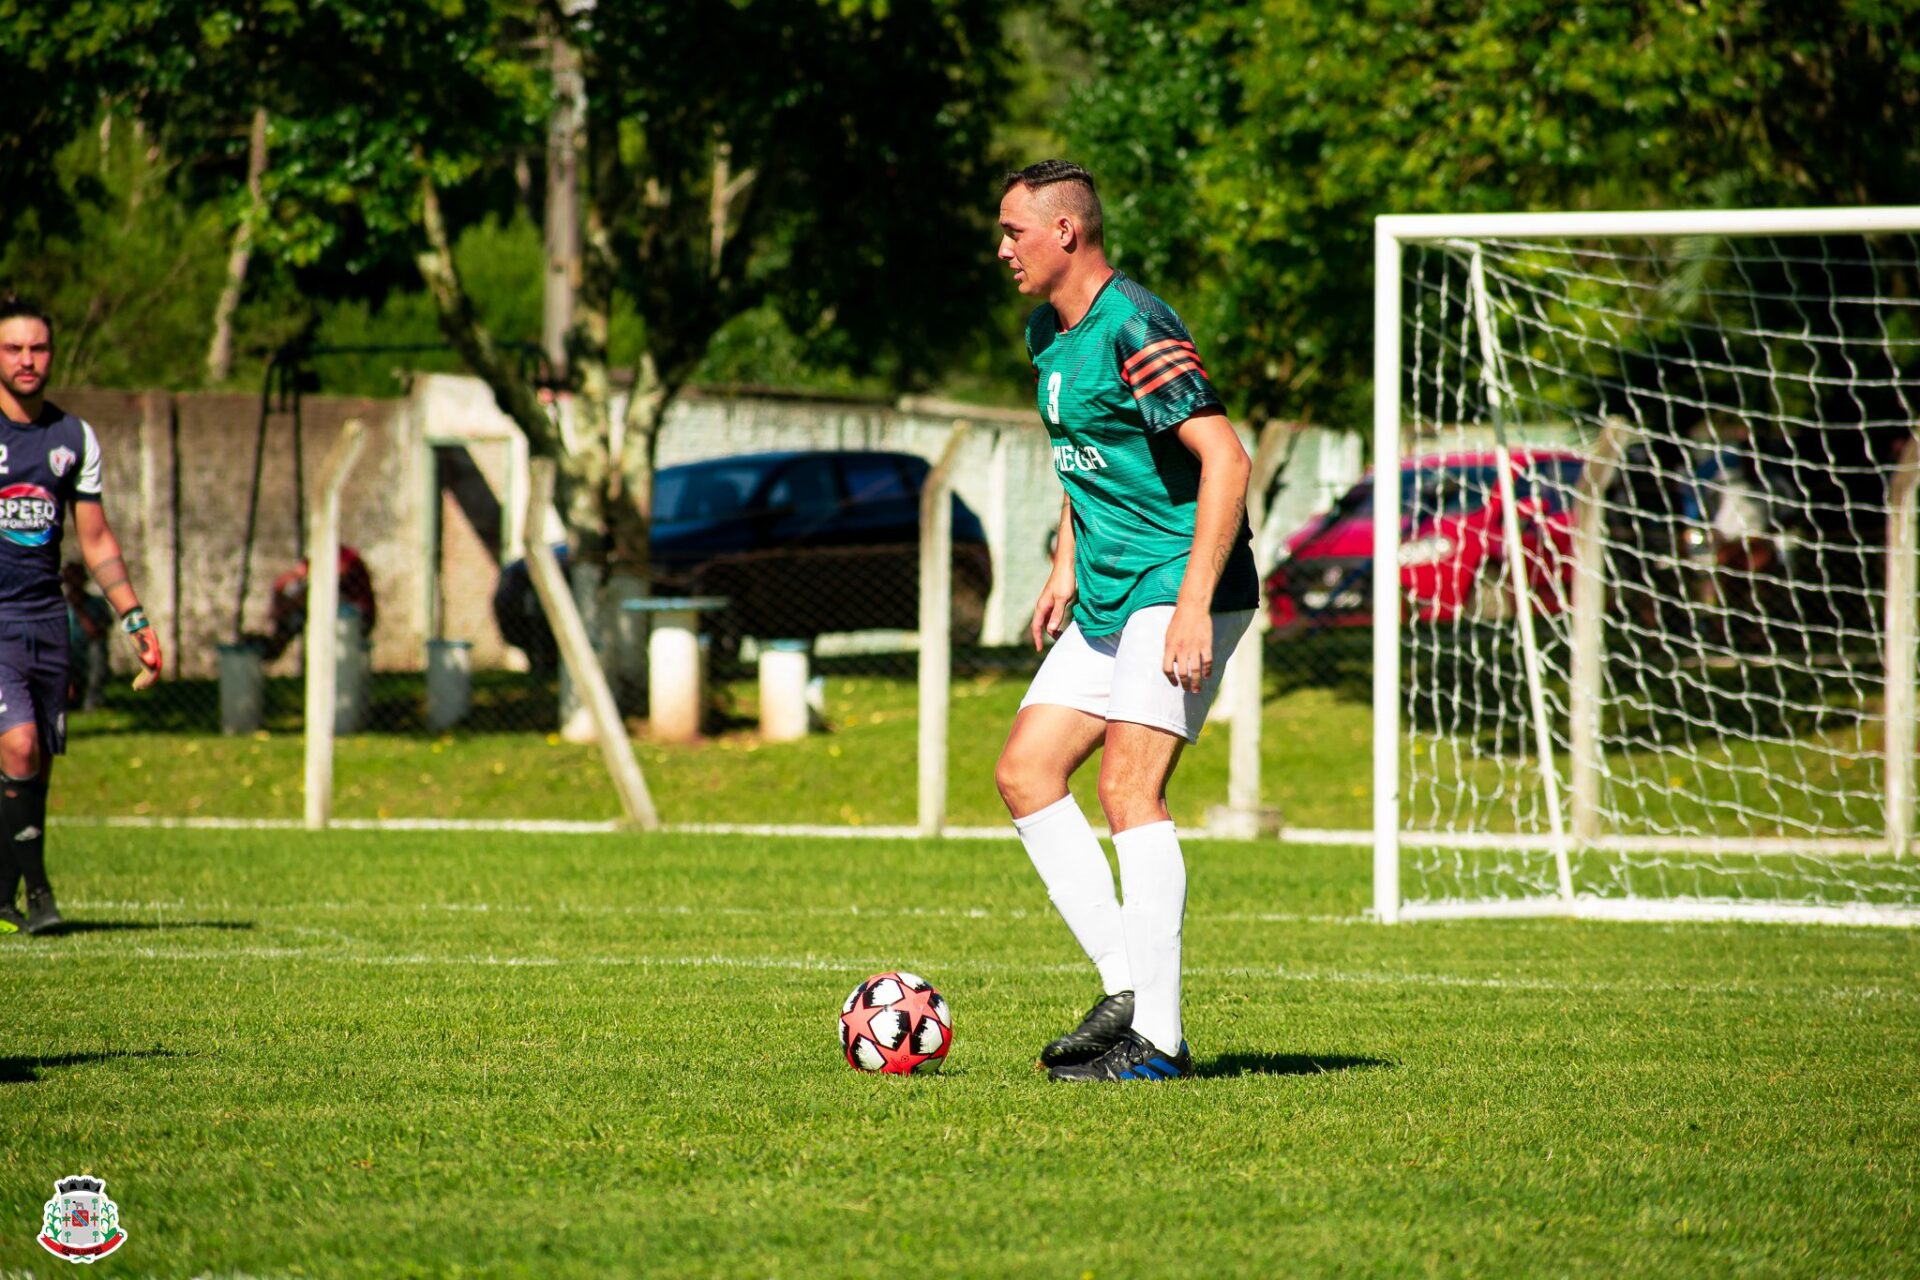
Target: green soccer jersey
x=1112 y=389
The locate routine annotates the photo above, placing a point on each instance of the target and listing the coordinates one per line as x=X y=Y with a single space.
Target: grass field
x=862 y=772
x=403 y=1054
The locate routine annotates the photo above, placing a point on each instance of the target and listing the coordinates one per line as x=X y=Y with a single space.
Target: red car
x=1452 y=544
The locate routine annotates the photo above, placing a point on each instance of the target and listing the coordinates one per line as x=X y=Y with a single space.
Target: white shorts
x=1118 y=676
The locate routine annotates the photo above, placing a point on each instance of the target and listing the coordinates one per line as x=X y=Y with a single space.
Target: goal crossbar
x=1407 y=228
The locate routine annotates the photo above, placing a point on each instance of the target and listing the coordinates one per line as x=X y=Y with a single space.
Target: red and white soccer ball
x=896 y=1023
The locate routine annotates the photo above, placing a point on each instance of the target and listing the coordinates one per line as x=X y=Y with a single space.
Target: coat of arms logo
x=82 y=1225
x=62 y=460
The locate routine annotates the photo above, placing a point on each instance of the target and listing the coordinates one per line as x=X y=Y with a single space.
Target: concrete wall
x=178 y=471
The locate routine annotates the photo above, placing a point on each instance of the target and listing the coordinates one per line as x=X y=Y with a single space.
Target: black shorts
x=33 y=680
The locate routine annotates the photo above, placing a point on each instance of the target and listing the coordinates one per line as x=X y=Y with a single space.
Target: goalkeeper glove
x=146 y=645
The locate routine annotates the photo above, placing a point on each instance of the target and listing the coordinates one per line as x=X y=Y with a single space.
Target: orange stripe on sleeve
x=1160 y=363
x=1126 y=370
x=1176 y=371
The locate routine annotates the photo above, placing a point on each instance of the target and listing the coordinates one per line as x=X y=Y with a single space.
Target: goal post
x=1644 y=545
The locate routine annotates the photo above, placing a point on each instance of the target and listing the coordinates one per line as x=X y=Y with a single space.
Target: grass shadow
x=137 y=926
x=26 y=1069
x=1284 y=1064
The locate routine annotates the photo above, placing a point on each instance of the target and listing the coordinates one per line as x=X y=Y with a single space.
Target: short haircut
x=13 y=307
x=1063 y=187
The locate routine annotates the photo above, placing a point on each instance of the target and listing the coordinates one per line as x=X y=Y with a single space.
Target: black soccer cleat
x=42 y=915
x=1134 y=1058
x=1098 y=1032
x=11 y=921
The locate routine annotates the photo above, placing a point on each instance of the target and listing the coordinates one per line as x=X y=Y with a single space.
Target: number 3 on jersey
x=1053 y=401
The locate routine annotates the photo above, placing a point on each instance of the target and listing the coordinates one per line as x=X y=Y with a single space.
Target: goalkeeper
x=49 y=461
x=1153 y=583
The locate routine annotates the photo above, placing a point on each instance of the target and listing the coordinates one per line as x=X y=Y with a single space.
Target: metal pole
x=1903 y=549
x=936 y=630
x=563 y=198
x=1589 y=627
x=253 y=495
x=1386 y=574
x=323 y=607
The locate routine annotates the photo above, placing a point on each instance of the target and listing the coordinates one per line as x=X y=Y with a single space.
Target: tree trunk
x=220 y=348
x=647 y=405
x=516 y=396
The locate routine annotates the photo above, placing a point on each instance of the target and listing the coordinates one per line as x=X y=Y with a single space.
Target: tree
x=129 y=267
x=1302 y=120
x=823 y=157
x=829 y=159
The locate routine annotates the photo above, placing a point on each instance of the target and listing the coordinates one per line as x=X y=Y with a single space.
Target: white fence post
x=1243 y=817
x=323 y=608
x=936 y=631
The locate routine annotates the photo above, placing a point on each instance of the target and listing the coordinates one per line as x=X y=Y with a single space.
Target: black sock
x=23 y=833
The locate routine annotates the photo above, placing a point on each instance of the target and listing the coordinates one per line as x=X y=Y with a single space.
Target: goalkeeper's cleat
x=1098 y=1032
x=1134 y=1058
x=11 y=921
x=42 y=915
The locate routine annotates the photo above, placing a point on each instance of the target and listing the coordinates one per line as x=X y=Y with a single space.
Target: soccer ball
x=896 y=1023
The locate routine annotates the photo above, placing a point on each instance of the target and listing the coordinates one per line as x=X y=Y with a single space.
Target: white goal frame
x=1392 y=233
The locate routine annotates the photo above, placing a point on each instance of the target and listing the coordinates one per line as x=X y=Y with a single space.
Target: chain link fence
x=794 y=524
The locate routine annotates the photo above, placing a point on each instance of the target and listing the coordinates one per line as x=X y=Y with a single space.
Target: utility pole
x=565 y=130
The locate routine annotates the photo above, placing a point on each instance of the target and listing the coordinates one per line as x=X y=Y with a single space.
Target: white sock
x=1072 y=865
x=1153 y=880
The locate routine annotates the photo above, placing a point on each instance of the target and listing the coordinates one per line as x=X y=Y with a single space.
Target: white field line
x=666 y=910
x=30 y=953
x=545 y=826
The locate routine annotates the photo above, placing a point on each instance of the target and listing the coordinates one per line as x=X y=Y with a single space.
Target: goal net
x=1644 y=498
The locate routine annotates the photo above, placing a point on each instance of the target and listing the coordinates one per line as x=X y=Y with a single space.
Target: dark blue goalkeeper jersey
x=45 y=465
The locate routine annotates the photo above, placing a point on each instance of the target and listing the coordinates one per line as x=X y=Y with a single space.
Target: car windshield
x=1432 y=491
x=706 y=492
x=1450 y=491
x=1435 y=491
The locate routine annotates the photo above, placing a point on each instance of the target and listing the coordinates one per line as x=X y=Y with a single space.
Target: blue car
x=800 y=543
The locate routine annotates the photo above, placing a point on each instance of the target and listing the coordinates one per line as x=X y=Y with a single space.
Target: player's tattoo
x=1224 y=551
x=110 y=573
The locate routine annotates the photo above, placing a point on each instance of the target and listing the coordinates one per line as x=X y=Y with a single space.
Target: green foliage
x=1272 y=132
x=128 y=267
x=862 y=135
x=855 y=248
x=363 y=96
x=502 y=263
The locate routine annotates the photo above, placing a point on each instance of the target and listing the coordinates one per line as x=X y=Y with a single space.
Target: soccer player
x=1153 y=583
x=49 y=461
